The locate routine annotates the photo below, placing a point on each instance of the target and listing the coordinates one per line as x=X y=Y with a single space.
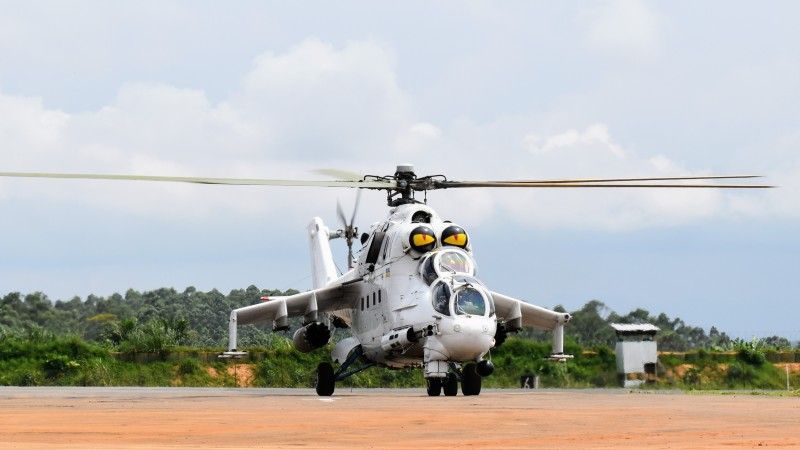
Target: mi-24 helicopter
x=411 y=296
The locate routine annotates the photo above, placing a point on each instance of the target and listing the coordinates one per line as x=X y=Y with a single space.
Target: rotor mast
x=403 y=194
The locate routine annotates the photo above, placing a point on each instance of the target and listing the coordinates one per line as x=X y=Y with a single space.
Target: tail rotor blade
x=340 y=214
x=355 y=207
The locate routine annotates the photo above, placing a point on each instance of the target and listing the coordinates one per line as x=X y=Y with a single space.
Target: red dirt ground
x=280 y=418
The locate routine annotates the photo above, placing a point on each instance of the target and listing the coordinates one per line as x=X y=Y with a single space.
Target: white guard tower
x=637 y=355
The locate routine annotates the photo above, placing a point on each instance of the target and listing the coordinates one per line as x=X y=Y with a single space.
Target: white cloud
x=319 y=101
x=317 y=106
x=594 y=134
x=628 y=28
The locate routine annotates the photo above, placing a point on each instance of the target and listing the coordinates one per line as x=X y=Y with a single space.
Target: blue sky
x=471 y=89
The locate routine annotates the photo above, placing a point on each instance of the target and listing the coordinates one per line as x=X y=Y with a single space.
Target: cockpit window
x=421 y=217
x=441 y=298
x=428 y=272
x=470 y=301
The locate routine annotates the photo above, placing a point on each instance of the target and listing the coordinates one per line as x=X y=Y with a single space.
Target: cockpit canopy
x=461 y=296
x=447 y=262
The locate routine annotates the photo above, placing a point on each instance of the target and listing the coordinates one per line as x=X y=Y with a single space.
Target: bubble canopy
x=444 y=263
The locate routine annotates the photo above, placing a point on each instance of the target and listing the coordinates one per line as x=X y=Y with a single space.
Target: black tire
x=434 y=386
x=450 y=385
x=325 y=381
x=471 y=381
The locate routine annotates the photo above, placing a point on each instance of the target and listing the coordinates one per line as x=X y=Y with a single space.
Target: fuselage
x=417 y=273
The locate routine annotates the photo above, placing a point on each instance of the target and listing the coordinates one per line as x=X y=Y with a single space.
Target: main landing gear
x=470 y=377
x=326 y=378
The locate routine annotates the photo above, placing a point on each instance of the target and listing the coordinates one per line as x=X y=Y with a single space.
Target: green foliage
x=692 y=377
x=189 y=366
x=59 y=365
x=71 y=343
x=750 y=352
x=199 y=319
x=194 y=318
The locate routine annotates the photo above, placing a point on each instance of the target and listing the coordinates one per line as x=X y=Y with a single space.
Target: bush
x=692 y=377
x=189 y=366
x=752 y=356
x=750 y=352
x=59 y=365
x=28 y=378
x=739 y=374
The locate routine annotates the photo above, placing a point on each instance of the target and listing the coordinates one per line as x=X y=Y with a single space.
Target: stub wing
x=309 y=305
x=510 y=309
x=516 y=313
x=303 y=304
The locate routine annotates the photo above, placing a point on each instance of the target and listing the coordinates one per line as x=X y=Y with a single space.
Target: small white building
x=637 y=355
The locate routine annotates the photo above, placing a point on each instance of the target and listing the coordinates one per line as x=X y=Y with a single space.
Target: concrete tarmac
x=170 y=418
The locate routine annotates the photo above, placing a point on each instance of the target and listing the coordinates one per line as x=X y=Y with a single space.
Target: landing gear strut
x=326 y=378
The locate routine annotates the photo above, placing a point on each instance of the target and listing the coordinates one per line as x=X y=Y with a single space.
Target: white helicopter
x=411 y=298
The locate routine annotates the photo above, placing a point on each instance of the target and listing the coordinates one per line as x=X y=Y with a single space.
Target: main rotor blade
x=615 y=180
x=203 y=180
x=501 y=184
x=344 y=175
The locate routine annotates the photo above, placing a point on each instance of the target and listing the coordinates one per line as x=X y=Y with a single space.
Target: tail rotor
x=348 y=231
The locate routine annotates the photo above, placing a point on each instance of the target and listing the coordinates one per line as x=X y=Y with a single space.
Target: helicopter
x=410 y=297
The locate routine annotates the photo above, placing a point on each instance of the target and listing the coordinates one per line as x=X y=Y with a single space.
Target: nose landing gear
x=448 y=385
x=470 y=377
x=434 y=386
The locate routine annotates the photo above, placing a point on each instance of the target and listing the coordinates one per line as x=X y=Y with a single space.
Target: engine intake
x=311 y=337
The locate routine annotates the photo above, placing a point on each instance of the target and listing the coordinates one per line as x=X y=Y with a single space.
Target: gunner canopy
x=461 y=295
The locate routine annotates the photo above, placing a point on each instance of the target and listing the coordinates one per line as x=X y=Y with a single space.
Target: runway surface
x=170 y=418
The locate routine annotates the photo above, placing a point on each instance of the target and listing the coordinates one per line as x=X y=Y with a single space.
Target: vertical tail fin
x=323 y=270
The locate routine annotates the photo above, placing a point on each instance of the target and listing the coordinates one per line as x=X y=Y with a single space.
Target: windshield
x=446 y=263
x=454 y=262
x=469 y=301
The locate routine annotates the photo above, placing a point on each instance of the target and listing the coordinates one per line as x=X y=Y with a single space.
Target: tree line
x=163 y=317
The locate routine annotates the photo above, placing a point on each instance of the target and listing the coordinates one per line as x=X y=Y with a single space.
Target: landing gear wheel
x=450 y=385
x=325 y=381
x=434 y=386
x=471 y=381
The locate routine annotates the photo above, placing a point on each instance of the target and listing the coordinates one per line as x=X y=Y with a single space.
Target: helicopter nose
x=467 y=338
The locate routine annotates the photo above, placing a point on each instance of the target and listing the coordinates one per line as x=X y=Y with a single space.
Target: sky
x=473 y=90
